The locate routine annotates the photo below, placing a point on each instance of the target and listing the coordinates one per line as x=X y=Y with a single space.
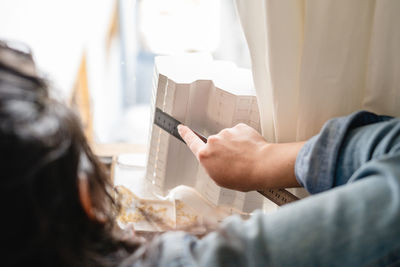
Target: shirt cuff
x=315 y=165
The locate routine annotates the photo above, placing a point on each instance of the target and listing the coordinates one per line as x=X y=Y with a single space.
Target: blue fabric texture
x=352 y=168
x=317 y=163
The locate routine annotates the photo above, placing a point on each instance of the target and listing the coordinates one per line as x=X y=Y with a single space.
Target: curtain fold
x=313 y=60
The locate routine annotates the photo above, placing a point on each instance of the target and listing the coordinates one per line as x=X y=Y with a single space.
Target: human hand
x=240 y=158
x=229 y=157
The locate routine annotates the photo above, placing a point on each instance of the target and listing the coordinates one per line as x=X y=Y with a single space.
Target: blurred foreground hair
x=43 y=152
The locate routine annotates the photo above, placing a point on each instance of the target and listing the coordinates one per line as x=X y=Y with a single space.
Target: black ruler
x=169 y=124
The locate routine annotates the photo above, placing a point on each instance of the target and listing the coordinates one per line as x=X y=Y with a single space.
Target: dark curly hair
x=43 y=150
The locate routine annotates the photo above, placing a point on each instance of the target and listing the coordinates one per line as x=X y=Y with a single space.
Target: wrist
x=262 y=172
x=276 y=166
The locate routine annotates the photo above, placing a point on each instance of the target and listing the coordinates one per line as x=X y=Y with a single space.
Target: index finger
x=194 y=143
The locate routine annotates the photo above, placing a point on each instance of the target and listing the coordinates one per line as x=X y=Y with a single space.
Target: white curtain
x=317 y=59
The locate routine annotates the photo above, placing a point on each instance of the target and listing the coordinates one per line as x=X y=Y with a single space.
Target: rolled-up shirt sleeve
x=343 y=145
x=353 y=225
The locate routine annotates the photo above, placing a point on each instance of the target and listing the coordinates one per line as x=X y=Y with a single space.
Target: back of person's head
x=43 y=155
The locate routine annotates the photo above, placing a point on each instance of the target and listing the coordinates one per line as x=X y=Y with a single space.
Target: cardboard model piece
x=207 y=96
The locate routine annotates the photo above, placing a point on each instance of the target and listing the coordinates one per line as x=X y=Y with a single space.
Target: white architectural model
x=207 y=96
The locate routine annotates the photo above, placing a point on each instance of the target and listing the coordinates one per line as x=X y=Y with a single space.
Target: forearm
x=240 y=158
x=276 y=166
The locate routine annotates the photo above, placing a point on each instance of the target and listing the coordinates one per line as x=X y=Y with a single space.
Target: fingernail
x=179 y=128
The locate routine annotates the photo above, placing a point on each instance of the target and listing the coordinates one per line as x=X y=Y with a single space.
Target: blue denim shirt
x=352 y=168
